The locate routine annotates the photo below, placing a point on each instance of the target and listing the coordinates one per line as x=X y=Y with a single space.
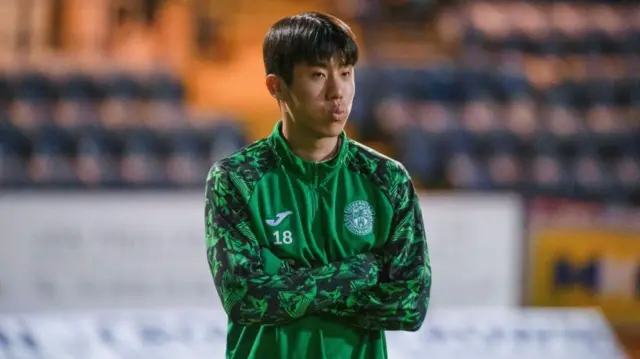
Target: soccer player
x=315 y=242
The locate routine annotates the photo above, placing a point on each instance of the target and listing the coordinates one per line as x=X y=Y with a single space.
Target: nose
x=334 y=88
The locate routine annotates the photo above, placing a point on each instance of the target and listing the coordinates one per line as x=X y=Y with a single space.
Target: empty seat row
x=37 y=86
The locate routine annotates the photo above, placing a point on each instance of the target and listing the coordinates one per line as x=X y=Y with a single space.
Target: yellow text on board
x=586 y=267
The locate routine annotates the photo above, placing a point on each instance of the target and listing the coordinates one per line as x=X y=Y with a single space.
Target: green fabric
x=315 y=260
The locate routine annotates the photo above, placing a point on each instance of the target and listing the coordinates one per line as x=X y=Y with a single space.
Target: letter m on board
x=568 y=274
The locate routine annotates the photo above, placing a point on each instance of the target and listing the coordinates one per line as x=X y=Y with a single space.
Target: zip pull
x=314 y=175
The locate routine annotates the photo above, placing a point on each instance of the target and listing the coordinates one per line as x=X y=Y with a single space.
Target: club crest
x=359 y=217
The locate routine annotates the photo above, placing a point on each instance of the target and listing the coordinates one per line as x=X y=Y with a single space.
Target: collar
x=311 y=172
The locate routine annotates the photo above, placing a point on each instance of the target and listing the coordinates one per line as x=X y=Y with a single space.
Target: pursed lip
x=338 y=113
x=338 y=109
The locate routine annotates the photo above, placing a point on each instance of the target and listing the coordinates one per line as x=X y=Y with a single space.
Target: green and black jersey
x=315 y=260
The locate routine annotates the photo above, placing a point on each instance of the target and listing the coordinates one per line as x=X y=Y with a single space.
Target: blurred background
x=519 y=121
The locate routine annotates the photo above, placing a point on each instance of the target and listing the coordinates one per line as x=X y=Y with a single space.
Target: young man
x=315 y=242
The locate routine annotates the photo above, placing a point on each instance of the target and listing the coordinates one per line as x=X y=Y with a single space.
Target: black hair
x=312 y=38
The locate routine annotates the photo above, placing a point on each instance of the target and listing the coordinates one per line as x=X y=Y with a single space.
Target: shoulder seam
x=253 y=190
x=233 y=176
x=385 y=159
x=372 y=182
x=363 y=147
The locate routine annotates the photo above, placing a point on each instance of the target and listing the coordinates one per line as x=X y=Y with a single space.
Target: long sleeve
x=248 y=293
x=401 y=299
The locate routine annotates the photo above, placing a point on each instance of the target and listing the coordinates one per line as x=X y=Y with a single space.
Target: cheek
x=348 y=94
x=308 y=97
x=349 y=89
x=303 y=105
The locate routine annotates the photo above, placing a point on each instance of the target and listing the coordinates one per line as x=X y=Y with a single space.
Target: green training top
x=315 y=260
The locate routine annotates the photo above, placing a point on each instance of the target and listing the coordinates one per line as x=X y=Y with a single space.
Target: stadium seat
x=186 y=164
x=548 y=88
x=34 y=95
x=627 y=176
x=505 y=170
x=35 y=85
x=421 y=152
x=165 y=96
x=142 y=161
x=78 y=102
x=14 y=152
x=548 y=176
x=590 y=179
x=163 y=86
x=521 y=119
x=466 y=171
x=6 y=94
x=122 y=101
x=224 y=138
x=437 y=83
x=96 y=160
x=51 y=162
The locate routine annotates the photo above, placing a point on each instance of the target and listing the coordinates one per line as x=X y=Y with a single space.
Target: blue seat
x=465 y=170
x=15 y=148
x=165 y=87
x=630 y=43
x=35 y=86
x=475 y=84
x=34 y=95
x=513 y=87
x=52 y=159
x=589 y=178
x=626 y=172
x=97 y=158
x=123 y=87
x=505 y=170
x=224 y=138
x=549 y=176
x=187 y=163
x=80 y=95
x=6 y=94
x=422 y=153
x=142 y=161
x=371 y=88
x=80 y=87
x=432 y=84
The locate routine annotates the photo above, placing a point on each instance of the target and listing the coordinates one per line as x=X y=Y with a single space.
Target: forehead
x=335 y=61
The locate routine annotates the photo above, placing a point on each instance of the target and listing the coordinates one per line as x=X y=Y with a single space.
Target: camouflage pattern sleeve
x=401 y=299
x=248 y=293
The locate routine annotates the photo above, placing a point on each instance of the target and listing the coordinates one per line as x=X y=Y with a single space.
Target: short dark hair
x=311 y=37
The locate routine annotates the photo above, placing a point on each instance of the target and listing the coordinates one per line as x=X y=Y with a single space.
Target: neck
x=306 y=146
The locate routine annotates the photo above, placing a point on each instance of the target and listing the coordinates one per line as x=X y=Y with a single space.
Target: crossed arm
x=401 y=297
x=388 y=290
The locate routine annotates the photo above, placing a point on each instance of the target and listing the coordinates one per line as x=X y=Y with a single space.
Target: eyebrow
x=323 y=64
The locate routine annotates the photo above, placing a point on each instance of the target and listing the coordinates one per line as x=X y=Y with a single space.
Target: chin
x=333 y=129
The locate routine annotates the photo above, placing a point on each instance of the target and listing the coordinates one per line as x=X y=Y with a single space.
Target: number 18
x=286 y=237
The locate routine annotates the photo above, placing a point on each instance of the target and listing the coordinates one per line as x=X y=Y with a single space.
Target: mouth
x=338 y=113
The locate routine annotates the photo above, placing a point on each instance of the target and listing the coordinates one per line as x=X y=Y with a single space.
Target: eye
x=318 y=75
x=346 y=73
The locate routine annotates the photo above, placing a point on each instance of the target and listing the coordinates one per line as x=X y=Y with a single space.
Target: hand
x=291 y=262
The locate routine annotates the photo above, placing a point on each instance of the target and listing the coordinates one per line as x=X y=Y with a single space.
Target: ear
x=275 y=85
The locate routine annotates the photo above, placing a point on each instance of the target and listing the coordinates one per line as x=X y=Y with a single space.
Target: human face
x=319 y=99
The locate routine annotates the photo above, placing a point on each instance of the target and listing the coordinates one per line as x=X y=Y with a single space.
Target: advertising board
x=171 y=333
x=586 y=255
x=76 y=251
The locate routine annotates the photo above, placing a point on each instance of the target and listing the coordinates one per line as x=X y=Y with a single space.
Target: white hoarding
x=476 y=244
x=197 y=333
x=109 y=250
